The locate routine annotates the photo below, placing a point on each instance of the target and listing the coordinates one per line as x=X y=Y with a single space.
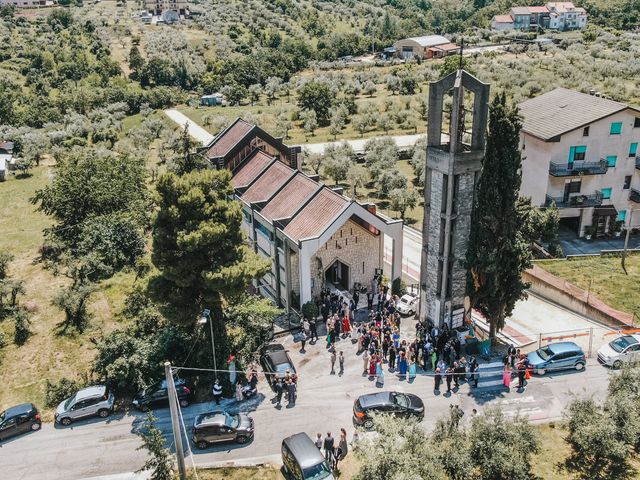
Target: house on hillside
x=566 y=16
x=212 y=100
x=500 y=23
x=6 y=157
x=29 y=3
x=430 y=46
x=581 y=153
x=556 y=15
x=315 y=237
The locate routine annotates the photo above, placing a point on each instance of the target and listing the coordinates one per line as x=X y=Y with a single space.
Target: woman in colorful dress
x=372 y=365
x=346 y=326
x=402 y=364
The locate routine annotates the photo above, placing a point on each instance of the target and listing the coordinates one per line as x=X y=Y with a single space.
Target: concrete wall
x=353 y=246
x=536 y=156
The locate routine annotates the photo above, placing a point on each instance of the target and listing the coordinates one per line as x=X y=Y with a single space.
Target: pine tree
x=159 y=463
x=498 y=253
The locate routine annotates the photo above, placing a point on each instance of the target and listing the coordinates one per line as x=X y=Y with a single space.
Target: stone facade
x=354 y=246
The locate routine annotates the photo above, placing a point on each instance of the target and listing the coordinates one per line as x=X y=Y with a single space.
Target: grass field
x=46 y=355
x=604 y=277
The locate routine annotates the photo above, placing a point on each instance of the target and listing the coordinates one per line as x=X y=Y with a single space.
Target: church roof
x=269 y=181
x=224 y=142
x=249 y=170
x=288 y=200
x=317 y=215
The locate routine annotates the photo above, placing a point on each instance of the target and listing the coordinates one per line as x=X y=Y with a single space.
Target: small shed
x=212 y=100
x=418 y=46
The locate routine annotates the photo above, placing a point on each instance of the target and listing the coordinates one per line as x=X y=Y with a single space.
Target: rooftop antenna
x=461 y=49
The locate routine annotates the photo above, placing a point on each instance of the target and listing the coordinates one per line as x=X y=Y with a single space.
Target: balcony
x=578 y=168
x=634 y=195
x=577 y=201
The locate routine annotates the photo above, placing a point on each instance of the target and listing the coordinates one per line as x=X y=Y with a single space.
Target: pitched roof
x=503 y=19
x=269 y=181
x=520 y=10
x=541 y=9
x=561 y=6
x=446 y=47
x=228 y=138
x=288 y=200
x=429 y=40
x=561 y=110
x=317 y=215
x=250 y=168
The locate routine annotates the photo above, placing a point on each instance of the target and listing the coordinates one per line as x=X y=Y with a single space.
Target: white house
x=581 y=153
x=566 y=16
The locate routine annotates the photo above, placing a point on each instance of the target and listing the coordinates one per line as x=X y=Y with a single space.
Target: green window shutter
x=611 y=160
x=616 y=128
x=633 y=149
x=581 y=149
x=622 y=215
x=572 y=153
x=606 y=193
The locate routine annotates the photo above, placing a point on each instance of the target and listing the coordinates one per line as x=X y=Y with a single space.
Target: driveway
x=195 y=130
x=572 y=245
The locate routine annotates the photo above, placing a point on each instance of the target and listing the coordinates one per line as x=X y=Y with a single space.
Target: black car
x=392 y=403
x=157 y=396
x=219 y=426
x=275 y=363
x=19 y=419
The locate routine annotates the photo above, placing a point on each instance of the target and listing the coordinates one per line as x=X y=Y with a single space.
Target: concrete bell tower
x=454 y=161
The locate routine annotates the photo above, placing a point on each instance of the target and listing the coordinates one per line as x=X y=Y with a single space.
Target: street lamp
x=206 y=318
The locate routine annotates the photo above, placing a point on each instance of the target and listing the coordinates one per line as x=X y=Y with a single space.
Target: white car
x=408 y=304
x=621 y=350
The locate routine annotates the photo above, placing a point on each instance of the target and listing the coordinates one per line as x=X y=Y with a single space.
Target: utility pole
x=626 y=240
x=175 y=423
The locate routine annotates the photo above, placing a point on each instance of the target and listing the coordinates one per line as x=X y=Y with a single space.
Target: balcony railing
x=578 y=168
x=577 y=201
x=634 y=195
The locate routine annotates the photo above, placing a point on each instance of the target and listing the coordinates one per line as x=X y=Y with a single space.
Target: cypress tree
x=498 y=251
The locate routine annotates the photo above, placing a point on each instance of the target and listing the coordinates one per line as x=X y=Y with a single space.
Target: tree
x=283 y=125
x=403 y=198
x=408 y=85
x=160 y=462
x=309 y=121
x=380 y=154
x=185 y=158
x=339 y=160
x=5 y=259
x=316 y=96
x=452 y=63
x=389 y=180
x=393 y=83
x=136 y=62
x=336 y=126
x=73 y=302
x=314 y=160
x=21 y=322
x=357 y=177
x=23 y=165
x=198 y=244
x=271 y=88
x=497 y=253
x=360 y=123
x=419 y=160
x=384 y=122
x=254 y=92
x=369 y=88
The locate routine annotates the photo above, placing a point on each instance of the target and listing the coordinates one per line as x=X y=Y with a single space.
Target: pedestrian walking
x=292 y=390
x=238 y=392
x=313 y=329
x=217 y=392
x=341 y=450
x=328 y=446
x=506 y=376
x=341 y=363
x=318 y=441
x=365 y=362
x=449 y=377
x=333 y=361
x=522 y=371
x=279 y=387
x=392 y=357
x=303 y=341
x=437 y=379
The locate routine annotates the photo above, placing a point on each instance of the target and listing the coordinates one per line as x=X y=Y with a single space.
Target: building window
x=264 y=231
x=577 y=153
x=574 y=186
x=627 y=182
x=247 y=216
x=606 y=193
x=611 y=160
x=633 y=149
x=622 y=215
x=616 y=128
x=585 y=132
x=636 y=122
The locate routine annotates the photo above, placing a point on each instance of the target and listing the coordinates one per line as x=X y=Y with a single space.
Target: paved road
x=94 y=447
x=195 y=130
x=402 y=141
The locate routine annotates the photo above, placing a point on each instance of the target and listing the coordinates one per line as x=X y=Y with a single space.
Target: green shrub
x=22 y=332
x=310 y=310
x=60 y=390
x=398 y=287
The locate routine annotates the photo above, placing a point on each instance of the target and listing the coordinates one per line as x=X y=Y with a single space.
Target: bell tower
x=458 y=111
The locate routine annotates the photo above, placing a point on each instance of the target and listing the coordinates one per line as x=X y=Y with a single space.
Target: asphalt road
x=95 y=447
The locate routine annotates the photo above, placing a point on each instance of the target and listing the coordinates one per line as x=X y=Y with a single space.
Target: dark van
x=302 y=460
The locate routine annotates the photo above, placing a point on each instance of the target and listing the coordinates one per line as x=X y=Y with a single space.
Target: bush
x=62 y=389
x=556 y=250
x=310 y=310
x=3 y=339
x=398 y=287
x=22 y=332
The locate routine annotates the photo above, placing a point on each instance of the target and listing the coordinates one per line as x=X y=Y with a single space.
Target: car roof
x=375 y=399
x=561 y=347
x=279 y=357
x=304 y=450
x=634 y=337
x=19 y=409
x=90 y=392
x=217 y=417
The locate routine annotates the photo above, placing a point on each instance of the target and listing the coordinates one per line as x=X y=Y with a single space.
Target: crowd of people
x=334 y=452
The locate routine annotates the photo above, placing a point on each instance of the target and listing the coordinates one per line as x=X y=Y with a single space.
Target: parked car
x=408 y=304
x=219 y=426
x=557 y=356
x=88 y=402
x=275 y=363
x=302 y=460
x=158 y=396
x=19 y=419
x=621 y=350
x=394 y=403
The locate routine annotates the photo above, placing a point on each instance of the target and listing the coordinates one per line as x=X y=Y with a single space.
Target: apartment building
x=581 y=153
x=566 y=16
x=314 y=236
x=158 y=7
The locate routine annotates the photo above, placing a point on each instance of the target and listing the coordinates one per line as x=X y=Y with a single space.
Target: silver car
x=88 y=402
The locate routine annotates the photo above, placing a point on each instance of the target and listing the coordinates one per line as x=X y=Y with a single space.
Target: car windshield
x=400 y=399
x=317 y=472
x=545 y=353
x=619 y=344
x=232 y=421
x=405 y=300
x=283 y=367
x=69 y=402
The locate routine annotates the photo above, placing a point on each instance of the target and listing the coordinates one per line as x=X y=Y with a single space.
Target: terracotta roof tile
x=250 y=169
x=503 y=19
x=229 y=138
x=446 y=47
x=288 y=200
x=541 y=9
x=316 y=216
x=268 y=183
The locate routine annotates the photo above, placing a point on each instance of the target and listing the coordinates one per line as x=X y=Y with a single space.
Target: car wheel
x=617 y=364
x=202 y=444
x=579 y=366
x=104 y=413
x=35 y=427
x=184 y=403
x=368 y=424
x=66 y=421
x=541 y=371
x=242 y=440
